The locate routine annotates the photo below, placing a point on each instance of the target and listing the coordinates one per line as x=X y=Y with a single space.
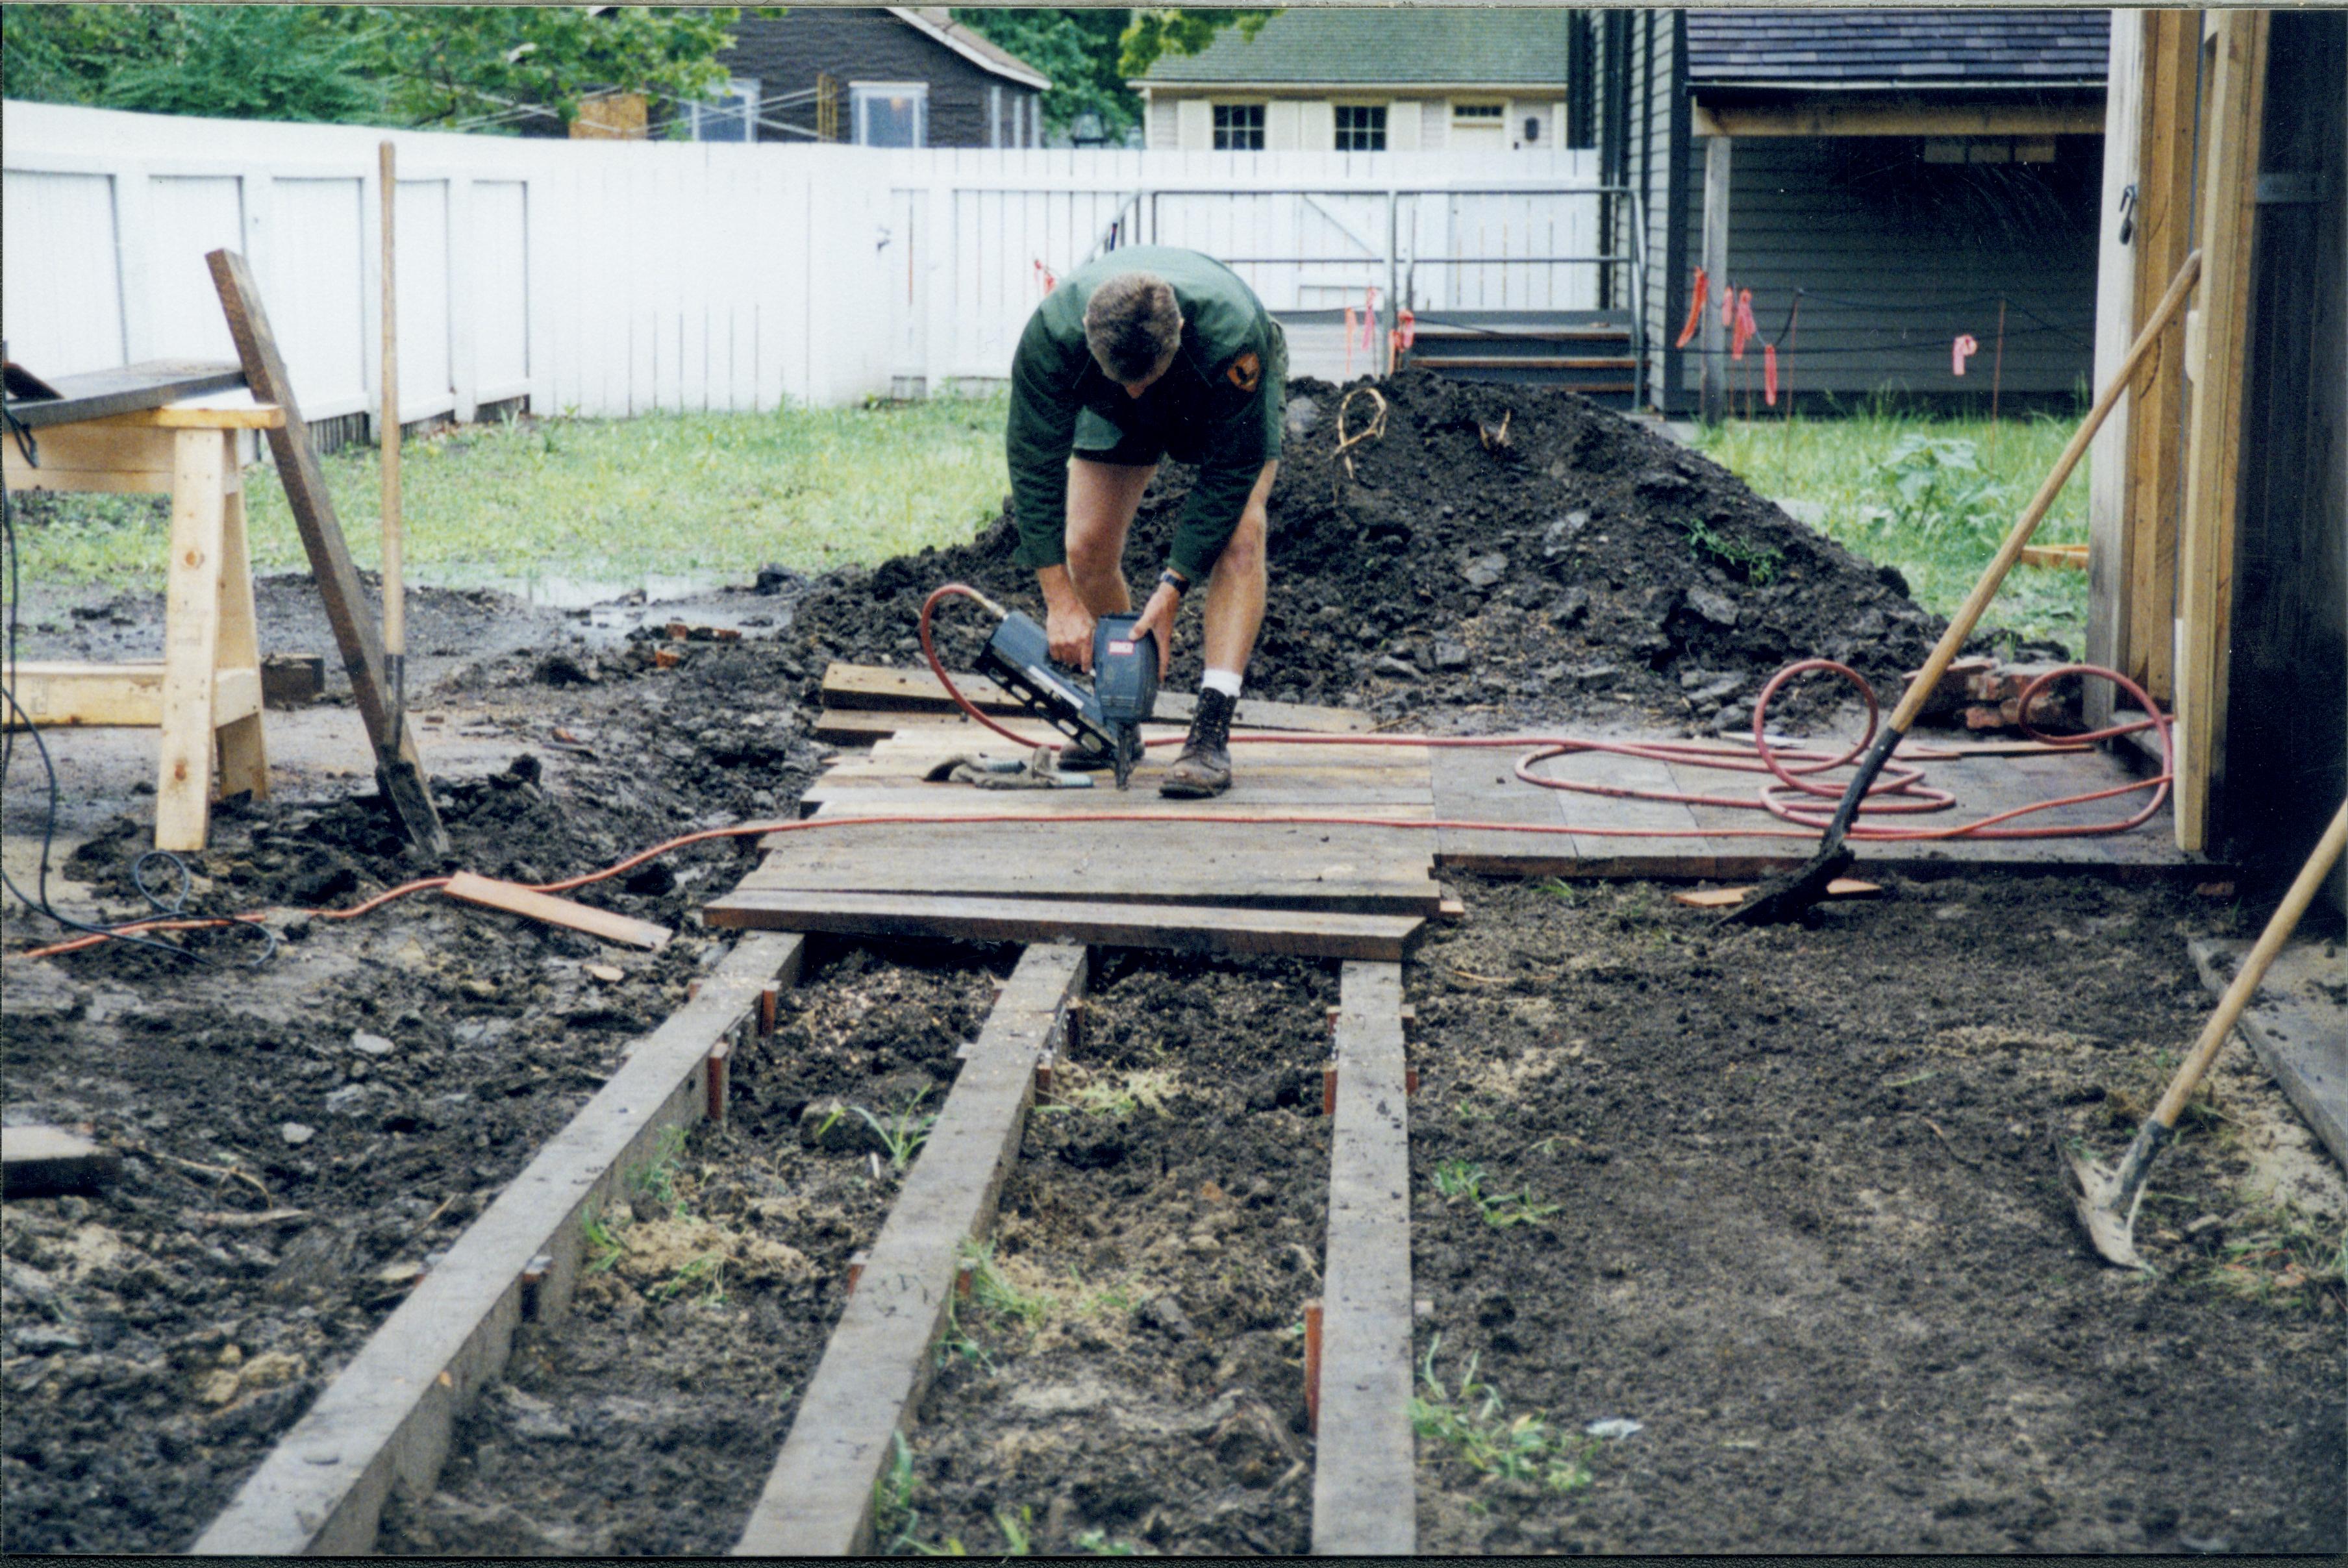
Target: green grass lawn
x=715 y=495
x=1931 y=497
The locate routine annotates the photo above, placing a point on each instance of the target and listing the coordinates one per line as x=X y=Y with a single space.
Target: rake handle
x=1993 y=577
x=2253 y=969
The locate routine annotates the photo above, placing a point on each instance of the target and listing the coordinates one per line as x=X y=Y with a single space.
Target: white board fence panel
x=618 y=278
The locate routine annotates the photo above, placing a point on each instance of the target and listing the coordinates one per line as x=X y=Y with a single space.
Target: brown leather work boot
x=1205 y=766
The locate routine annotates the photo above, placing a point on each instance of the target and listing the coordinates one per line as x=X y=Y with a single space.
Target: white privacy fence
x=612 y=278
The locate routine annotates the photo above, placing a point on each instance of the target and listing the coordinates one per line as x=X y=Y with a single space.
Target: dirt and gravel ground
x=1806 y=1226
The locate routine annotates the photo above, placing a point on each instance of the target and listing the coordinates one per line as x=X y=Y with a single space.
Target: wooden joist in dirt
x=873 y=687
x=388 y=1415
x=1364 y=1493
x=1183 y=928
x=36 y=1160
x=818 y=1502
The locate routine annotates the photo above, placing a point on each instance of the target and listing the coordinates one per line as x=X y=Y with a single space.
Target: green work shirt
x=1219 y=406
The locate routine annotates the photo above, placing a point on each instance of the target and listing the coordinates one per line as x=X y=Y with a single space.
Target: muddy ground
x=1856 y=1317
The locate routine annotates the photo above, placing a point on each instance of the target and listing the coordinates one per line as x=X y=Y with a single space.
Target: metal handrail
x=1401 y=275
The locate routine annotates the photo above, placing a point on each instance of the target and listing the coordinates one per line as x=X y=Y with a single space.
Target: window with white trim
x=1239 y=128
x=1480 y=113
x=1361 y=127
x=890 y=114
x=728 y=115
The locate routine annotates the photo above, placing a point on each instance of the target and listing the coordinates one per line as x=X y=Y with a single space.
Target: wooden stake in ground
x=395 y=592
x=398 y=770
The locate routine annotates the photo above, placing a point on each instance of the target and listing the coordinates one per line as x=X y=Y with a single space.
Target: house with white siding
x=1377 y=80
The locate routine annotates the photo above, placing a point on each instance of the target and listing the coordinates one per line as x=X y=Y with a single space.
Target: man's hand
x=1067 y=624
x=1158 y=616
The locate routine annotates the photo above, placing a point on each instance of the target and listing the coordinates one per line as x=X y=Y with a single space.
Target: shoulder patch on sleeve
x=1246 y=371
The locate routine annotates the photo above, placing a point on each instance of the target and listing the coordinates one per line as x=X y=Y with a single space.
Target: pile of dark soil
x=1586 y=566
x=647 y=1419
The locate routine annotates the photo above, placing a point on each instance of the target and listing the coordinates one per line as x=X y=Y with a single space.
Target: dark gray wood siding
x=2286 y=759
x=785 y=54
x=1900 y=256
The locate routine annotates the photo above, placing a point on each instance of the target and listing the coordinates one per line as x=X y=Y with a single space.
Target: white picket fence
x=616 y=278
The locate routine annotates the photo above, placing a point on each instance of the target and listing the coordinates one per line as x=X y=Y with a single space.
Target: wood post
x=1718 y=153
x=2234 y=105
x=2116 y=323
x=202 y=462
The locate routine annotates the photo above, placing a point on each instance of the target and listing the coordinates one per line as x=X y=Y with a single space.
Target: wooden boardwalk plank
x=387 y=1414
x=1477 y=786
x=2301 y=1034
x=1305 y=933
x=1367 y=870
x=879 y=797
x=817 y=1500
x=875 y=686
x=1364 y=1491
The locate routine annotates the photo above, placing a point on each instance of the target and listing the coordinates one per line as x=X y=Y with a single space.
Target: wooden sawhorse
x=205 y=692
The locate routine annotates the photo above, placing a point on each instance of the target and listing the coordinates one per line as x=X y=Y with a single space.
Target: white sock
x=1224 y=681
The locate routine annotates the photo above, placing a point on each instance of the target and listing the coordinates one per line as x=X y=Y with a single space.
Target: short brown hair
x=1131 y=323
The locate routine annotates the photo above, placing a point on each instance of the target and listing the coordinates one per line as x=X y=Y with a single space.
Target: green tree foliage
x=1078 y=49
x=248 y=62
x=1179 y=31
x=475 y=66
x=459 y=63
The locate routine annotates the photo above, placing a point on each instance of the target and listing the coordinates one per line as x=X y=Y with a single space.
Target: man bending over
x=1150 y=352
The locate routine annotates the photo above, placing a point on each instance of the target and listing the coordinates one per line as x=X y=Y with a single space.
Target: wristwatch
x=1175 y=579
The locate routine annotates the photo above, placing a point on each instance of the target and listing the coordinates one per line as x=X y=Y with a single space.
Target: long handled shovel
x=1785 y=898
x=2107 y=1199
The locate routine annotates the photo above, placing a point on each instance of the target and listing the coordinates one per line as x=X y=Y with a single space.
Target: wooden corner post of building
x=2115 y=324
x=1717 y=152
x=2234 y=76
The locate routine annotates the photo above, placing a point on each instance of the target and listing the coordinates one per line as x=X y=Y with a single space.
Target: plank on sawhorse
x=818 y=1502
x=1365 y=1492
x=1185 y=928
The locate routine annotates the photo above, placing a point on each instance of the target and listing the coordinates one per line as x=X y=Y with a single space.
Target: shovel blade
x=1781 y=898
x=2096 y=1196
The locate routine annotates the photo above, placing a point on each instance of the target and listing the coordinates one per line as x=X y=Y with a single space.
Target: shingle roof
x=938 y=22
x=1501 y=46
x=1816 y=48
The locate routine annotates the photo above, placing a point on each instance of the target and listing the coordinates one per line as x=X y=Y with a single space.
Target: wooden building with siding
x=2218 y=518
x=1883 y=181
x=878 y=75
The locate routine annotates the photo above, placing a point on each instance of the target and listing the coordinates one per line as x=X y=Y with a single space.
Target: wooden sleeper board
x=1180 y=928
x=817 y=1500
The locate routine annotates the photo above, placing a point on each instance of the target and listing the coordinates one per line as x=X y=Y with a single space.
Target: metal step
x=1589 y=351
